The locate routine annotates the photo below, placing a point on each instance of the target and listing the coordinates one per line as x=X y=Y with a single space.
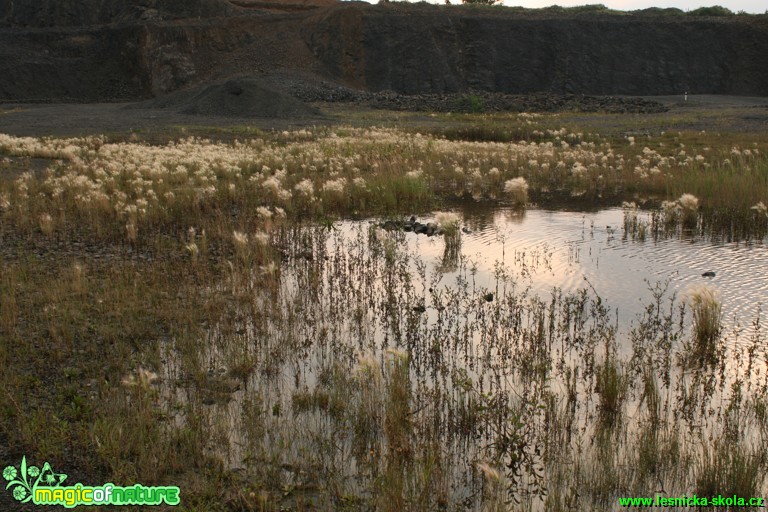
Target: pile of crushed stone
x=239 y=97
x=499 y=102
x=322 y=91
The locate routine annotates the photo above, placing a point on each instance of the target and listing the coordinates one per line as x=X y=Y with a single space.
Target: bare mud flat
x=733 y=113
x=113 y=118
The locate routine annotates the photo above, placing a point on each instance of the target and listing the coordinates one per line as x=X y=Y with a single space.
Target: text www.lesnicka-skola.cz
x=693 y=501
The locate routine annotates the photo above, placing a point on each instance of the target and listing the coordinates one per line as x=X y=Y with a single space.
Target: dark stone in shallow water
x=389 y=225
x=708 y=273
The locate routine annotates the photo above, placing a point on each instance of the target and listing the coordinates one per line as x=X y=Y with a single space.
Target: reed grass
x=189 y=312
x=707 y=314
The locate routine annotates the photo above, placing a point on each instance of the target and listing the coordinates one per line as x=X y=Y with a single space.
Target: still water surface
x=545 y=249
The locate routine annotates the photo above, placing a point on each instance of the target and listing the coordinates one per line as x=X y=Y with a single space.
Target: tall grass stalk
x=707 y=314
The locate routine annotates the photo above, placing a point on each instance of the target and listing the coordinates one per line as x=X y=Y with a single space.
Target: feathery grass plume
x=517 y=189
x=414 y=175
x=272 y=185
x=451 y=254
x=335 y=186
x=263 y=212
x=143 y=379
x=689 y=202
x=193 y=250
x=447 y=221
x=240 y=242
x=46 y=224
x=270 y=269
x=689 y=205
x=495 y=483
x=131 y=231
x=630 y=218
x=305 y=188
x=670 y=213
x=761 y=208
x=261 y=249
x=707 y=313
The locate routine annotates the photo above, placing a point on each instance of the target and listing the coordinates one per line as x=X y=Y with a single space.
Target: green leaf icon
x=49 y=478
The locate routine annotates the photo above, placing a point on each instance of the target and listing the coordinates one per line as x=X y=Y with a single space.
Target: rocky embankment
x=394 y=55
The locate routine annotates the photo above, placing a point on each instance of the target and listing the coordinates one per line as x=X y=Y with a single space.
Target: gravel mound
x=498 y=102
x=313 y=89
x=240 y=97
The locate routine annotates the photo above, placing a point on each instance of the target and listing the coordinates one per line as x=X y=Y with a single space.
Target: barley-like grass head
x=448 y=222
x=517 y=190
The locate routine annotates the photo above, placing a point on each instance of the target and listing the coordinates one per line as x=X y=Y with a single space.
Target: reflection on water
x=534 y=343
x=572 y=250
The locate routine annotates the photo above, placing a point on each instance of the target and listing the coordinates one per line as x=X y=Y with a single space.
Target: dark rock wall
x=70 y=13
x=407 y=49
x=78 y=65
x=445 y=52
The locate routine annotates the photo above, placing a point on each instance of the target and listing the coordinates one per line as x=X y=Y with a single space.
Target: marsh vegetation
x=194 y=312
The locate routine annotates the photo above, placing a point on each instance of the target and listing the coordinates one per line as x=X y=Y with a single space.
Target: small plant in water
x=689 y=205
x=612 y=386
x=517 y=189
x=706 y=306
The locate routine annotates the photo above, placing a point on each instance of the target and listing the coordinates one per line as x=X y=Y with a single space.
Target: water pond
x=539 y=356
x=571 y=250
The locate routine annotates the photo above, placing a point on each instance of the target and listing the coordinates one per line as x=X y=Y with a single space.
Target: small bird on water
x=708 y=273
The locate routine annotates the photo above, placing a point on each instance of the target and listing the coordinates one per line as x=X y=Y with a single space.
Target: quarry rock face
x=104 y=50
x=78 y=13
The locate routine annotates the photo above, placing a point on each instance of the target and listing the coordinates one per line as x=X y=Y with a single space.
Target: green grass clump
x=611 y=386
x=726 y=468
x=707 y=314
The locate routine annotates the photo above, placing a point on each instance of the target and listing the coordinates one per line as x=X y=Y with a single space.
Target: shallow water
x=570 y=250
x=322 y=334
